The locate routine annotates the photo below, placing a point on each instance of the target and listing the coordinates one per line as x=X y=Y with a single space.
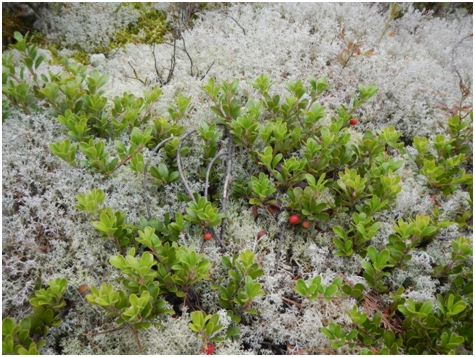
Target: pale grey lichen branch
x=145 y=197
x=208 y=171
x=227 y=178
x=180 y=169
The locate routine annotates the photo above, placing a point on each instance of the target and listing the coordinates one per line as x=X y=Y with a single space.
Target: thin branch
x=135 y=335
x=215 y=235
x=146 y=112
x=188 y=54
x=207 y=70
x=222 y=13
x=303 y=271
x=203 y=246
x=188 y=190
x=152 y=48
x=135 y=73
x=127 y=159
x=291 y=301
x=189 y=57
x=208 y=171
x=172 y=63
x=111 y=55
x=461 y=81
x=227 y=178
x=281 y=241
x=103 y=332
x=180 y=169
x=145 y=197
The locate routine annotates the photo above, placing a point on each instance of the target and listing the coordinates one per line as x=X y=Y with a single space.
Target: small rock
x=97 y=59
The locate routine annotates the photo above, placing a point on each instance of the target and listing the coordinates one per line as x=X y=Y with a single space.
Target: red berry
x=306 y=224
x=294 y=219
x=353 y=121
x=209 y=349
x=207 y=236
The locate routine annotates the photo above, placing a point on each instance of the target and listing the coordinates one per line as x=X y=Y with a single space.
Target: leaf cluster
x=241 y=288
x=27 y=336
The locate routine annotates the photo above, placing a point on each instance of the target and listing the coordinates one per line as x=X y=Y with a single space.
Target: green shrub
x=300 y=161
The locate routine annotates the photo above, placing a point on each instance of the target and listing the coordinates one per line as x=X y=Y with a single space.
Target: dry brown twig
x=292 y=302
x=303 y=271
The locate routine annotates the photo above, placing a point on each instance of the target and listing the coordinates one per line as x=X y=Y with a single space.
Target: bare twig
x=215 y=235
x=203 y=246
x=237 y=23
x=147 y=111
x=303 y=271
x=281 y=241
x=208 y=171
x=180 y=169
x=111 y=55
x=145 y=197
x=126 y=159
x=135 y=73
x=461 y=81
x=104 y=332
x=346 y=280
x=137 y=341
x=126 y=324
x=172 y=64
x=188 y=190
x=189 y=57
x=227 y=178
x=292 y=302
x=152 y=48
x=207 y=70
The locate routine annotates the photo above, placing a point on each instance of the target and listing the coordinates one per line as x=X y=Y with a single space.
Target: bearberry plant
x=301 y=163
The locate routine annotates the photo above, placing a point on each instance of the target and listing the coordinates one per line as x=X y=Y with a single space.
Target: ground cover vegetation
x=234 y=213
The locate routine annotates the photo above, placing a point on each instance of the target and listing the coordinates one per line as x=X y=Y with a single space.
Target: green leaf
x=426 y=308
x=457 y=308
x=389 y=338
x=233 y=331
x=327 y=333
x=331 y=290
x=372 y=253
